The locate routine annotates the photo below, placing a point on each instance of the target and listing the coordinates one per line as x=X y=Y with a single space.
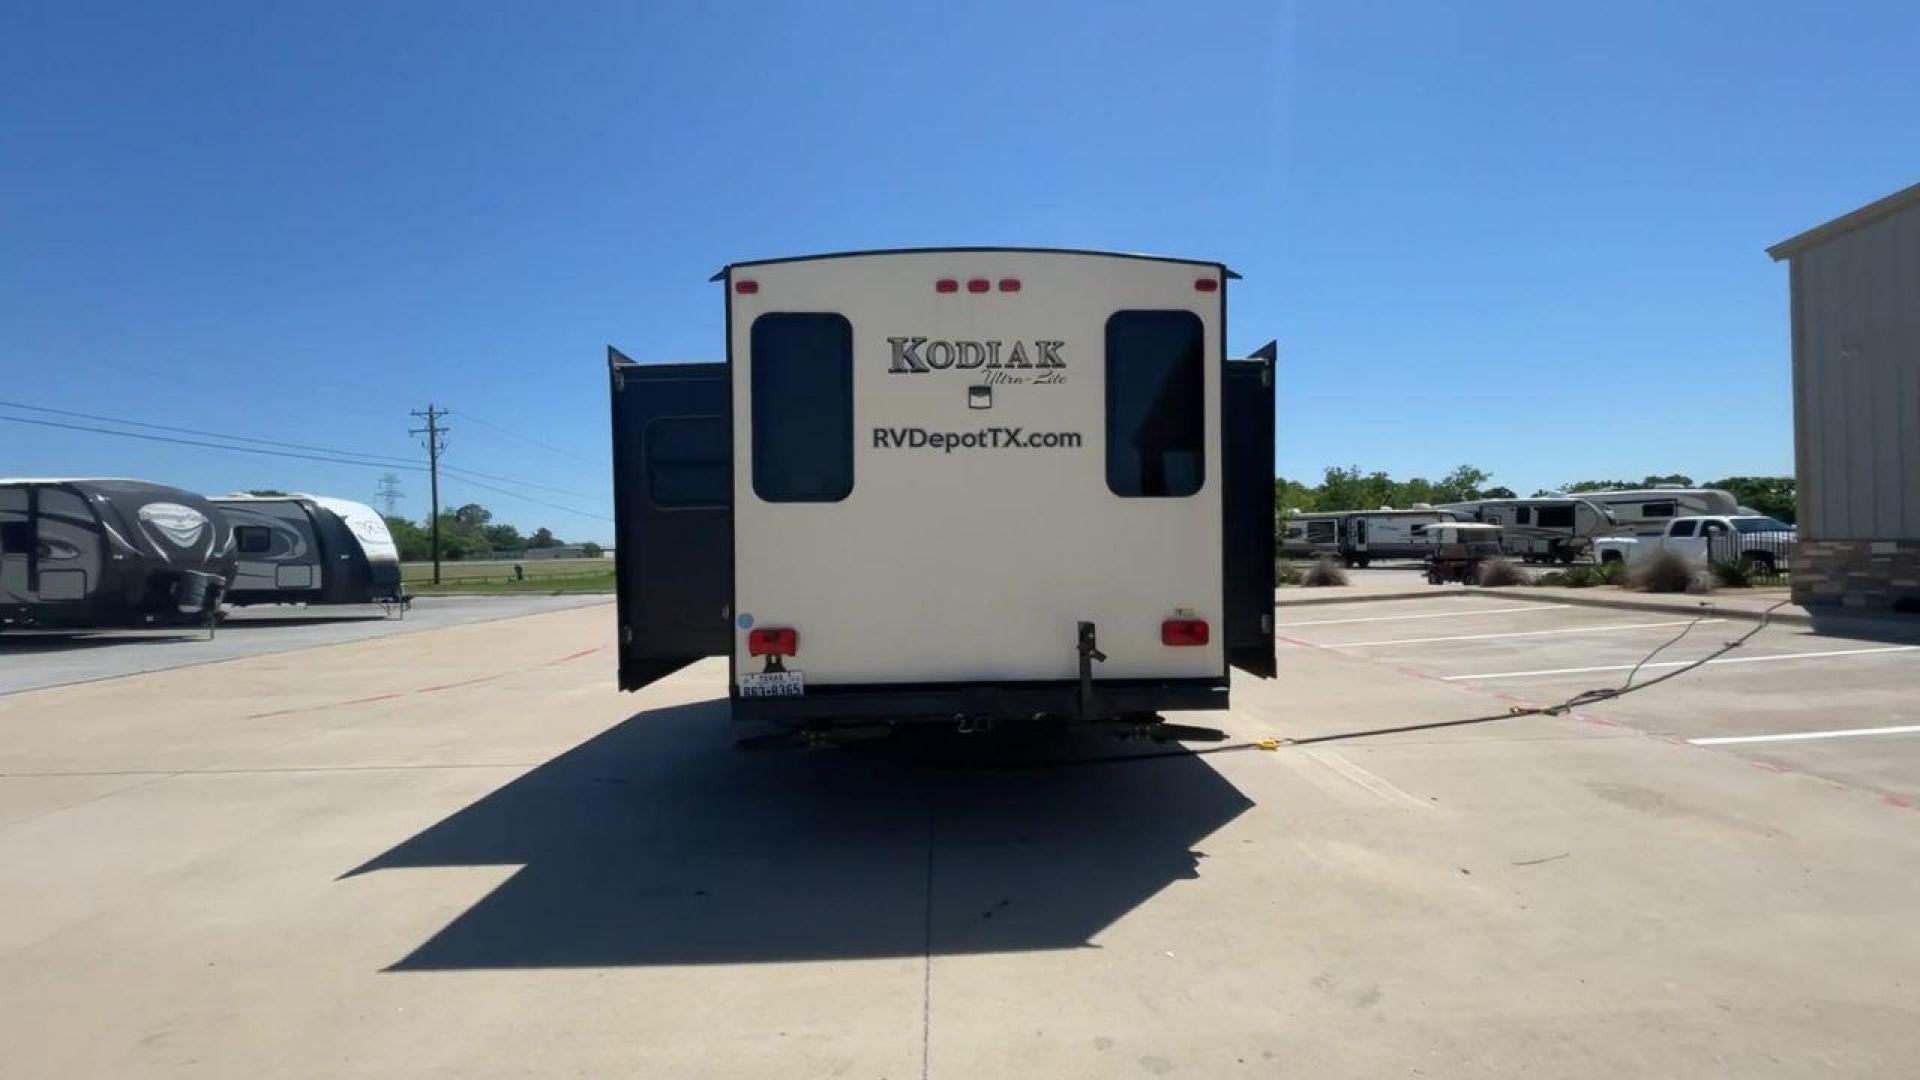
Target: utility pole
x=389 y=494
x=435 y=443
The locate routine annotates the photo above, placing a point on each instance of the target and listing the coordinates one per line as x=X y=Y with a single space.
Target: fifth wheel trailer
x=310 y=549
x=969 y=484
x=109 y=553
x=1542 y=529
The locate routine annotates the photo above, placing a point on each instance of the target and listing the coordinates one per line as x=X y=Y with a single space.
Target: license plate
x=772 y=684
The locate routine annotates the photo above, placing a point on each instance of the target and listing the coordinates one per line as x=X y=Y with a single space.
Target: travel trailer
x=1388 y=534
x=109 y=553
x=1357 y=537
x=966 y=485
x=1305 y=536
x=311 y=549
x=1542 y=529
x=1646 y=511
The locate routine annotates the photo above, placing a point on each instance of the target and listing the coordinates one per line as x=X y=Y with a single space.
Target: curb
x=1339 y=596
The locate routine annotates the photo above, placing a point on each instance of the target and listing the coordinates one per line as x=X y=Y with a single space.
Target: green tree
x=473 y=516
x=1498 y=493
x=1461 y=484
x=543 y=538
x=592 y=550
x=1774 y=496
x=411 y=539
x=502 y=537
x=266 y=493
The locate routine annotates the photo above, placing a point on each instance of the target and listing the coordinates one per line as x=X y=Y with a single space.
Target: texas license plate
x=772 y=684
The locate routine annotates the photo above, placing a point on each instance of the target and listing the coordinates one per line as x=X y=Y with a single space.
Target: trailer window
x=253 y=539
x=687 y=462
x=16 y=537
x=1554 y=517
x=802 y=403
x=1156 y=404
x=1658 y=509
x=1523 y=515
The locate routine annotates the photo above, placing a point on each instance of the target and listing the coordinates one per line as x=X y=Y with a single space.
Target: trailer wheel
x=1564 y=555
x=1610 y=556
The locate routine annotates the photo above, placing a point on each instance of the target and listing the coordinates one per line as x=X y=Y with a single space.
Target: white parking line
x=1728 y=740
x=1433 y=615
x=1683 y=663
x=1520 y=633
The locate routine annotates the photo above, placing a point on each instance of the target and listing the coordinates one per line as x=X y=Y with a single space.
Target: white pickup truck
x=1763 y=541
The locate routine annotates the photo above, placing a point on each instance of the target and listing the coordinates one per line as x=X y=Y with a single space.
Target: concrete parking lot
x=32 y=661
x=459 y=853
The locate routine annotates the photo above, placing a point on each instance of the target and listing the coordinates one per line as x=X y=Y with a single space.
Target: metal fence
x=1763 y=558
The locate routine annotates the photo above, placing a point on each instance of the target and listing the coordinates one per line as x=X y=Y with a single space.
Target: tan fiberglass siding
x=1856 y=387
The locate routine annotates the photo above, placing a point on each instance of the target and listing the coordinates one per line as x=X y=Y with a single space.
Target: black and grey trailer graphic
x=109 y=553
x=310 y=549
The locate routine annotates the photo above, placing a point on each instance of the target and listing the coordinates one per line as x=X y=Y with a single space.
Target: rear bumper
x=921 y=702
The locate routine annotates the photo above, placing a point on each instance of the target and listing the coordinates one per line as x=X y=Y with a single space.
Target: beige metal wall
x=1856 y=384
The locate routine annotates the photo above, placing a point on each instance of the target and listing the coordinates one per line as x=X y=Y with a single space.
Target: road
x=458 y=853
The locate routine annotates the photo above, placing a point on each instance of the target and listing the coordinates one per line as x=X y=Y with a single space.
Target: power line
x=289 y=454
x=206 y=434
x=497 y=429
x=451 y=471
x=531 y=499
x=208 y=445
x=372 y=460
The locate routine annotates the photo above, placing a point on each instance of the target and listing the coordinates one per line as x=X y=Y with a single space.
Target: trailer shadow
x=658 y=843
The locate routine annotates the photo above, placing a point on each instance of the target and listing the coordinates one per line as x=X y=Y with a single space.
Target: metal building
x=1856 y=405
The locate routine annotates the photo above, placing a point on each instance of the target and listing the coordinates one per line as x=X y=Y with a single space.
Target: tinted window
x=1761 y=525
x=802 y=401
x=1682 y=528
x=1523 y=515
x=1156 y=403
x=15 y=537
x=253 y=539
x=1659 y=509
x=687 y=461
x=1554 y=517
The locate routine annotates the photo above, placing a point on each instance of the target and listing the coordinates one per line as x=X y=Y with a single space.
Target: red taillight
x=748 y=287
x=1206 y=284
x=978 y=284
x=1009 y=284
x=946 y=284
x=777 y=641
x=1183 y=632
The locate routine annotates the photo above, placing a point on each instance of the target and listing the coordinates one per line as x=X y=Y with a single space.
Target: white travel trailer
x=1542 y=529
x=966 y=485
x=109 y=553
x=1389 y=534
x=1646 y=511
x=310 y=549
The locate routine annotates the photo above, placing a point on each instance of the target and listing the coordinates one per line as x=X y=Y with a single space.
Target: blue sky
x=1520 y=235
